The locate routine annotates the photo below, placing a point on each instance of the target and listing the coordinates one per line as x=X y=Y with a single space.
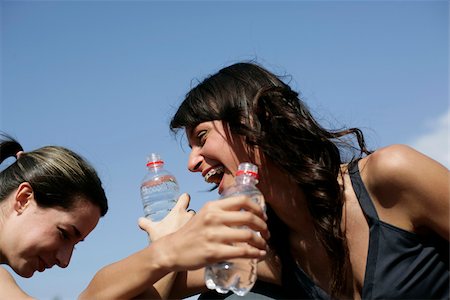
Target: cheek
x=36 y=241
x=227 y=152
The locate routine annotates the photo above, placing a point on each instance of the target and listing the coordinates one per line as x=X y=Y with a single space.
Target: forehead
x=215 y=125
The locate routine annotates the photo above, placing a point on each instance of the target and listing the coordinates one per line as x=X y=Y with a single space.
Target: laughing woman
x=345 y=222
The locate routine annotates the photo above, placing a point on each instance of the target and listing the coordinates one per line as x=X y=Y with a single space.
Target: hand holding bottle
x=214 y=233
x=177 y=217
x=238 y=275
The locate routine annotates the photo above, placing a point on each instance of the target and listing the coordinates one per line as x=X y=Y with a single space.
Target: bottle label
x=159 y=180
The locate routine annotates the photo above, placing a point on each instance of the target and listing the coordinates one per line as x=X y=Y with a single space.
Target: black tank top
x=400 y=264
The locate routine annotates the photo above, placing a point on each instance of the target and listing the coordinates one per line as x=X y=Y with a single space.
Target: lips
x=42 y=265
x=221 y=188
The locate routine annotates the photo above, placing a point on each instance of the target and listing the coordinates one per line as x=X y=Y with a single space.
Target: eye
x=63 y=233
x=201 y=137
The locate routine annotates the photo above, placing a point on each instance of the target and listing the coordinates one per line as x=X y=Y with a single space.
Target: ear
x=23 y=197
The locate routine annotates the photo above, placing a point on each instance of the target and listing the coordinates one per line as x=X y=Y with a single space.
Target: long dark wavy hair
x=259 y=106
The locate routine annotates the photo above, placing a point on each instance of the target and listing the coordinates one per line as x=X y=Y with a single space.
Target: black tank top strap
x=361 y=193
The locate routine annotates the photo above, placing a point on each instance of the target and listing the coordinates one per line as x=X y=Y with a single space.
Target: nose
x=63 y=256
x=194 y=160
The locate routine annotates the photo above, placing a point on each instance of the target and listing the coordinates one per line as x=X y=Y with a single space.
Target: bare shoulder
x=400 y=165
x=394 y=158
x=409 y=185
x=9 y=288
x=5 y=276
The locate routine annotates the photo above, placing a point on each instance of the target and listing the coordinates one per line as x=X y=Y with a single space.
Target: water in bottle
x=237 y=275
x=159 y=189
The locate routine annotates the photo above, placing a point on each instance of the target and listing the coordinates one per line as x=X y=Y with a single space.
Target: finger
x=219 y=253
x=242 y=236
x=265 y=234
x=248 y=252
x=242 y=202
x=191 y=211
x=225 y=252
x=234 y=219
x=145 y=224
x=183 y=202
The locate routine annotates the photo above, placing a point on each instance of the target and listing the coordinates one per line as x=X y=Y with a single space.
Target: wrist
x=164 y=254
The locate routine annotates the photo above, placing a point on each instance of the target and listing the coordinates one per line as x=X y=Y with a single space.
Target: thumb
x=145 y=224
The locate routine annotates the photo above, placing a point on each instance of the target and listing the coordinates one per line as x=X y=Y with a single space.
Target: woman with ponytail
x=50 y=199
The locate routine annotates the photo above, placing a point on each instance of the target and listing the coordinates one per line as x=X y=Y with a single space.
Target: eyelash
x=201 y=137
x=64 y=235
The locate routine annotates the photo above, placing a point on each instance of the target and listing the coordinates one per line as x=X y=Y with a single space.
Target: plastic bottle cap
x=151 y=163
x=248 y=172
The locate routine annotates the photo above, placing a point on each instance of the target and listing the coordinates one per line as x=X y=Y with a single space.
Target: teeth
x=218 y=170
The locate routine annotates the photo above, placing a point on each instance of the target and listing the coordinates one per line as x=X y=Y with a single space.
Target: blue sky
x=104 y=78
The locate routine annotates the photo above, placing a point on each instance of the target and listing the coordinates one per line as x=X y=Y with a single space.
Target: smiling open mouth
x=214 y=175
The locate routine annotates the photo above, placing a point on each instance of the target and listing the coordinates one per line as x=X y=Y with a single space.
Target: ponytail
x=8 y=147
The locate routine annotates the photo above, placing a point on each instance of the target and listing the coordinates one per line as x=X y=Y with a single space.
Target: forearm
x=161 y=289
x=188 y=283
x=164 y=285
x=190 y=248
x=129 y=277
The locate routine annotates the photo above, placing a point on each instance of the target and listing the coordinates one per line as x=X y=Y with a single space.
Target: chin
x=26 y=272
x=28 y=275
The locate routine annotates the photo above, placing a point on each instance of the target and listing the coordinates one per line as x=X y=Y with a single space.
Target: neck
x=286 y=199
x=3 y=208
x=288 y=202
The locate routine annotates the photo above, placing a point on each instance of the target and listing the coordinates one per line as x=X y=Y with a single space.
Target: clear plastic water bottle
x=237 y=275
x=159 y=189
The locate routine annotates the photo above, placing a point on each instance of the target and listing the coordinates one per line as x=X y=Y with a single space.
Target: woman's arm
x=9 y=288
x=207 y=238
x=177 y=217
x=129 y=277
